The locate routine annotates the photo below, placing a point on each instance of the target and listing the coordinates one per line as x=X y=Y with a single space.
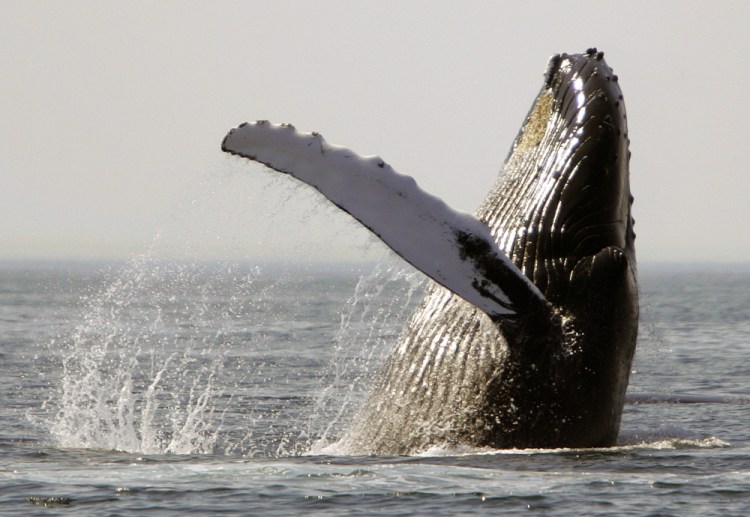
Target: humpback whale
x=526 y=340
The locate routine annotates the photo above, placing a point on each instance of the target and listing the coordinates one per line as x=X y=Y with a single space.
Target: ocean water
x=162 y=388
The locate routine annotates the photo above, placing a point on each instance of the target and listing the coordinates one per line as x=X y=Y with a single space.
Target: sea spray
x=139 y=369
x=146 y=369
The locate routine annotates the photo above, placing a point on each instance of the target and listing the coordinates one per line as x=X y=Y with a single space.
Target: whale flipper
x=453 y=248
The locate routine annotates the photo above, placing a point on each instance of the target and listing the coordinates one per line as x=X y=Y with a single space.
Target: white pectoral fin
x=453 y=248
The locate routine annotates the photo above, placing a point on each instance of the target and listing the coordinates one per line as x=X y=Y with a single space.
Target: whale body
x=527 y=338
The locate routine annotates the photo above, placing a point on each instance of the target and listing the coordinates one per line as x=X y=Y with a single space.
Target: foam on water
x=710 y=442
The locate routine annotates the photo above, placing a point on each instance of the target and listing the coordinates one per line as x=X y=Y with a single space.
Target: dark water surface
x=185 y=389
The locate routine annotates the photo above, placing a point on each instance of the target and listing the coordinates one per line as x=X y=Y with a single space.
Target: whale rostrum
x=527 y=338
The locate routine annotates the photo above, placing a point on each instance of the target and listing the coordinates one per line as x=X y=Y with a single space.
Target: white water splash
x=139 y=371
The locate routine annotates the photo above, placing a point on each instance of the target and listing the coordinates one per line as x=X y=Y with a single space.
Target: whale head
x=564 y=193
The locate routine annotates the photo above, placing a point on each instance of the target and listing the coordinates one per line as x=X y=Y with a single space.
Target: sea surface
x=167 y=388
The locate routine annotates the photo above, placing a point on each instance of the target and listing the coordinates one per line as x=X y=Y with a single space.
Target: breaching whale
x=527 y=339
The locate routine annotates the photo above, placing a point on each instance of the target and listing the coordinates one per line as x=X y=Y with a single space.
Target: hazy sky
x=113 y=113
